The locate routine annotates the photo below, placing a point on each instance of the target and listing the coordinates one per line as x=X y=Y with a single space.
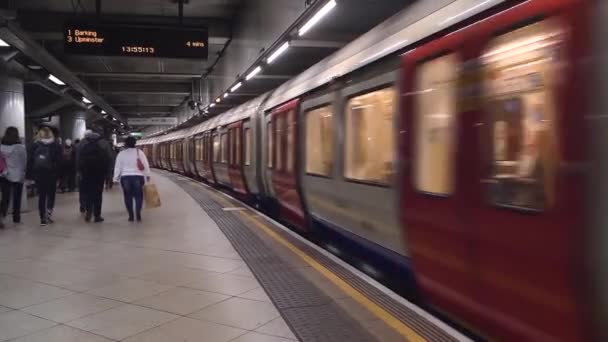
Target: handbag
x=140 y=164
x=151 y=196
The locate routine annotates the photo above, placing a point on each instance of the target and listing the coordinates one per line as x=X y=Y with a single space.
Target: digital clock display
x=139 y=41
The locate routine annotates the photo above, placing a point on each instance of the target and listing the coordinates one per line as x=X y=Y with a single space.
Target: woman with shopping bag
x=132 y=170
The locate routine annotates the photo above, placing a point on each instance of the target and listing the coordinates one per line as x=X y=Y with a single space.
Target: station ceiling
x=242 y=29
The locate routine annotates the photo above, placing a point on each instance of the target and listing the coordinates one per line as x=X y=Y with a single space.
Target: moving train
x=452 y=141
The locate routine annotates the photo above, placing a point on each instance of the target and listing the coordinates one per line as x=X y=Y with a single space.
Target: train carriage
x=441 y=147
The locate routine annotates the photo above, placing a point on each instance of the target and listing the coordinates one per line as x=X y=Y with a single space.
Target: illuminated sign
x=139 y=41
x=166 y=121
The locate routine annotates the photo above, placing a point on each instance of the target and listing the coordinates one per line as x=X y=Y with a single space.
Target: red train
x=451 y=141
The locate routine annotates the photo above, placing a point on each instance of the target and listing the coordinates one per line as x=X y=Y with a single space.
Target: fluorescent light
x=236 y=86
x=56 y=80
x=113 y=119
x=103 y=111
x=317 y=17
x=253 y=73
x=218 y=100
x=279 y=52
x=85 y=100
x=3 y=43
x=212 y=105
x=226 y=95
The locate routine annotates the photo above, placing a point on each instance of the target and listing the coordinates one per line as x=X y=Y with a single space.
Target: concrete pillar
x=73 y=126
x=12 y=104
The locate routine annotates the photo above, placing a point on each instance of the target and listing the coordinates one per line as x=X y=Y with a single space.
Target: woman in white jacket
x=12 y=179
x=130 y=169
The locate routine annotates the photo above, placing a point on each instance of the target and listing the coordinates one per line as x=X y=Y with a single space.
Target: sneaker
x=49 y=216
x=43 y=223
x=99 y=219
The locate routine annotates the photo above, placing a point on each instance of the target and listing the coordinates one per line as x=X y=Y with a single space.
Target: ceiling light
x=85 y=100
x=253 y=73
x=3 y=43
x=218 y=100
x=212 y=105
x=56 y=80
x=317 y=17
x=279 y=52
x=103 y=111
x=226 y=95
x=236 y=87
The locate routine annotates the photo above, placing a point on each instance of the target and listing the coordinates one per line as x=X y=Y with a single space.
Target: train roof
x=419 y=21
x=407 y=27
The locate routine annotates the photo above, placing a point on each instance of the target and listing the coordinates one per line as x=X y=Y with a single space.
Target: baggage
x=151 y=196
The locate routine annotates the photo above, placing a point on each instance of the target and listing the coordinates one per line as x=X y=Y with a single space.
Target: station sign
x=166 y=121
x=137 y=41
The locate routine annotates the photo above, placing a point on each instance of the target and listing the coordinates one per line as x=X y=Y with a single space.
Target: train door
x=214 y=149
x=285 y=179
x=249 y=164
x=433 y=174
x=235 y=163
x=530 y=207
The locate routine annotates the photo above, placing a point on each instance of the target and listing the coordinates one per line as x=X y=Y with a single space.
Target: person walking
x=11 y=181
x=44 y=160
x=68 y=168
x=81 y=195
x=130 y=169
x=93 y=160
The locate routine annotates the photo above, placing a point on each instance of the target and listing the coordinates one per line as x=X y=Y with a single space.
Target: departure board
x=137 y=41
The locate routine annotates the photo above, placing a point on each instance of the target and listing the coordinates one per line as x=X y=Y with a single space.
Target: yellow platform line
x=374 y=308
x=392 y=321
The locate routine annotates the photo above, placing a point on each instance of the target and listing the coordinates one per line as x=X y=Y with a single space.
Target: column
x=73 y=125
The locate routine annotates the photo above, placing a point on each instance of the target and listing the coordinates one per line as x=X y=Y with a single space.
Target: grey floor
x=174 y=277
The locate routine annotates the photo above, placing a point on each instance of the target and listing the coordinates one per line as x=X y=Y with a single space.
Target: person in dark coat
x=93 y=158
x=68 y=168
x=44 y=161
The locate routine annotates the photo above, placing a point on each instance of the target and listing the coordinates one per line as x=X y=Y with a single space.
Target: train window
x=237 y=146
x=247 y=144
x=216 y=148
x=231 y=146
x=435 y=126
x=291 y=125
x=224 y=147
x=320 y=141
x=270 y=144
x=520 y=138
x=281 y=130
x=370 y=139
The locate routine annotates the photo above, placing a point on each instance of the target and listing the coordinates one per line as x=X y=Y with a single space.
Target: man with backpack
x=44 y=160
x=93 y=158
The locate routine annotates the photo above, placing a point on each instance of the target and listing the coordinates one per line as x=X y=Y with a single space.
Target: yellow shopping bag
x=151 y=196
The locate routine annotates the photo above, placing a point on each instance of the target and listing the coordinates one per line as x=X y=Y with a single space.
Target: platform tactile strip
x=308 y=305
x=309 y=312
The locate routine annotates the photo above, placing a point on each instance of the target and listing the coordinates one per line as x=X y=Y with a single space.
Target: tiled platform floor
x=174 y=277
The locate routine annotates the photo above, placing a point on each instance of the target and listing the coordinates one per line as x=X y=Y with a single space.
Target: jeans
x=47 y=187
x=14 y=190
x=92 y=188
x=133 y=189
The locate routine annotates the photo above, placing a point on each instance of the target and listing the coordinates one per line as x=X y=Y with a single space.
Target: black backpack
x=93 y=159
x=43 y=158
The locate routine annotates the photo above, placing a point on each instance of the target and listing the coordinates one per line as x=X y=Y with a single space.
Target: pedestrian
x=93 y=160
x=68 y=168
x=130 y=169
x=81 y=195
x=11 y=181
x=44 y=160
